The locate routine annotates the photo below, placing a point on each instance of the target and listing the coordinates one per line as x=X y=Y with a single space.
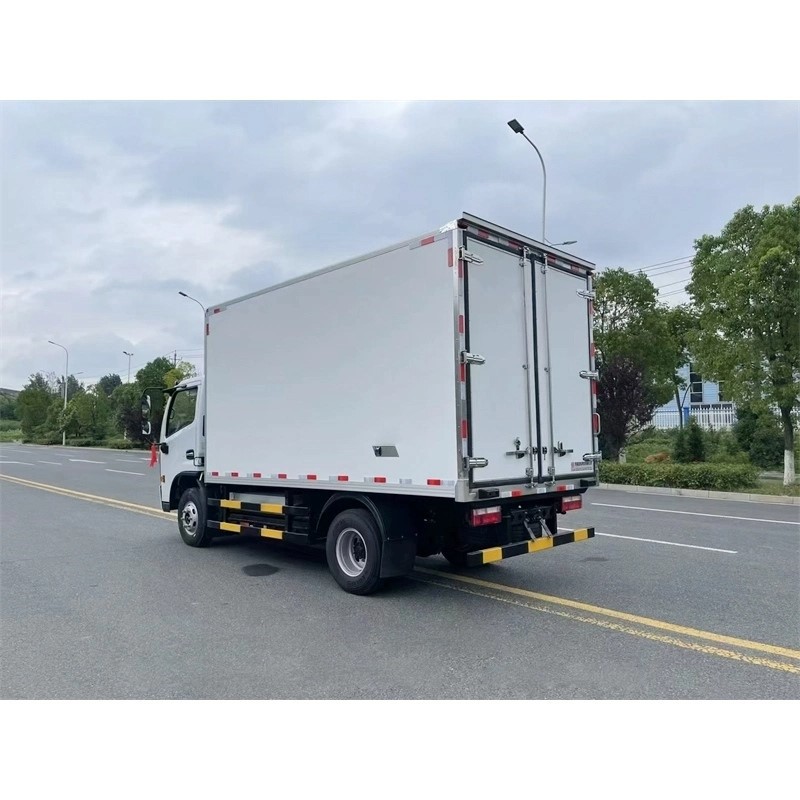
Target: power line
x=662 y=263
x=674 y=283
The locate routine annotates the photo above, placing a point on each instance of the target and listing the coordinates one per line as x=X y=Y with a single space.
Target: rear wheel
x=353 y=548
x=192 y=518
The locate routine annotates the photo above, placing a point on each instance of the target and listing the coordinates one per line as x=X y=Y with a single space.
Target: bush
x=718 y=477
x=11 y=434
x=123 y=444
x=761 y=437
x=680 y=448
x=9 y=425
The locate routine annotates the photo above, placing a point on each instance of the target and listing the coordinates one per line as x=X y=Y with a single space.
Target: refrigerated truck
x=436 y=396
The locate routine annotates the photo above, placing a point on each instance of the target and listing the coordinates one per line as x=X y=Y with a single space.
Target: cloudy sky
x=110 y=208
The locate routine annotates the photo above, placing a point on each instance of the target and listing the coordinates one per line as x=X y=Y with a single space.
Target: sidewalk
x=706 y=493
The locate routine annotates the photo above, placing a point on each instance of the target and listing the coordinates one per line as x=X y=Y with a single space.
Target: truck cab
x=181 y=441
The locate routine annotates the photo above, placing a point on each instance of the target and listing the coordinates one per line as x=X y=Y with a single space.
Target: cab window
x=181 y=410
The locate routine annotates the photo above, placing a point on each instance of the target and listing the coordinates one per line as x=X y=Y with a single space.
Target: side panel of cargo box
x=343 y=379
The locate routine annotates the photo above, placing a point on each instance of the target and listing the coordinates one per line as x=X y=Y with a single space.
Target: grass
x=776 y=488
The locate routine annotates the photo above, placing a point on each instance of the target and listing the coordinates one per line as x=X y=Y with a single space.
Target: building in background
x=701 y=399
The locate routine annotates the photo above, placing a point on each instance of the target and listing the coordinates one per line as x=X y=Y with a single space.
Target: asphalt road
x=675 y=598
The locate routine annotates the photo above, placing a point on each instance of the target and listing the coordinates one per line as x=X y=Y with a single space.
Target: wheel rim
x=351 y=552
x=189 y=517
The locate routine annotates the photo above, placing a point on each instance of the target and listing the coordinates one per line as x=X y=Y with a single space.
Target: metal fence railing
x=712 y=415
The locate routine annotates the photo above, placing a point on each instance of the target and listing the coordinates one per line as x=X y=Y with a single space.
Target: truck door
x=566 y=383
x=500 y=391
x=179 y=438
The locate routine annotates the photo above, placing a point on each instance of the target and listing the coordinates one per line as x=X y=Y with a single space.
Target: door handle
x=190 y=455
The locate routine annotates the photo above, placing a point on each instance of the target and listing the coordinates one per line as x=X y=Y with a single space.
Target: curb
x=708 y=494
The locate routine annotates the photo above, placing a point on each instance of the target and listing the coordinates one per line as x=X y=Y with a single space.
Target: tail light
x=571 y=503
x=485 y=516
x=596 y=423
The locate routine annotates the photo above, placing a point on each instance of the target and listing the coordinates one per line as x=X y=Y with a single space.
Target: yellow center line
x=615 y=626
x=610 y=612
x=575 y=605
x=92 y=498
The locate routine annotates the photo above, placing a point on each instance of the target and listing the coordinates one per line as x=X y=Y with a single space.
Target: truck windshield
x=181 y=410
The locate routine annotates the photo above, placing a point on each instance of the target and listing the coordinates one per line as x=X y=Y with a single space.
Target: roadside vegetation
x=105 y=414
x=741 y=327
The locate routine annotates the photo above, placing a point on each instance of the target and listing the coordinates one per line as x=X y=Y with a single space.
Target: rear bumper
x=491 y=554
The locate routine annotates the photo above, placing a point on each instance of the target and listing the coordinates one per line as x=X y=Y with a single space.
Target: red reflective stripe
x=460 y=268
x=449 y=256
x=311 y=477
x=207 y=329
x=561 y=488
x=516 y=492
x=594 y=387
x=464 y=429
x=428 y=240
x=483 y=234
x=281 y=474
x=256 y=474
x=217 y=310
x=434 y=482
x=592 y=349
x=591 y=308
x=596 y=423
x=463 y=373
x=342 y=478
x=215 y=474
x=379 y=479
x=234 y=474
x=461 y=323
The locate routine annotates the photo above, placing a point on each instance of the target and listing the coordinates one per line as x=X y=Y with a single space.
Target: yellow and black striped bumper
x=490 y=554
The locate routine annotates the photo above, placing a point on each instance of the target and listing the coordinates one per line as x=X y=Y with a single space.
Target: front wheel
x=353 y=548
x=192 y=518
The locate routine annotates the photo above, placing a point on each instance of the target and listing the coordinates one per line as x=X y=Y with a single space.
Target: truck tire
x=353 y=547
x=192 y=518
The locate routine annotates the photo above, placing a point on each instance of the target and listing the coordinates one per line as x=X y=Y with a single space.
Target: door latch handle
x=516 y=452
x=560 y=451
x=190 y=455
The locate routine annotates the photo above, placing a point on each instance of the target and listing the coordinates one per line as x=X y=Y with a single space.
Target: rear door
x=501 y=400
x=562 y=297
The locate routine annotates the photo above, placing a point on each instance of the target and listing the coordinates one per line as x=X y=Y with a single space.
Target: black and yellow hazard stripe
x=239 y=505
x=491 y=554
x=258 y=530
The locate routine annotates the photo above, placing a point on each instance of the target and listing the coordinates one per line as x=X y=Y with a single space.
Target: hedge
x=719 y=477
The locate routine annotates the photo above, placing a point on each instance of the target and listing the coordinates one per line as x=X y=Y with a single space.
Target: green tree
x=681 y=323
x=746 y=288
x=108 y=383
x=695 y=443
x=35 y=403
x=8 y=405
x=90 y=414
x=638 y=355
x=155 y=373
x=127 y=410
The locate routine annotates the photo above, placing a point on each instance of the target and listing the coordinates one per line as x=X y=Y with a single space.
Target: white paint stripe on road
x=697 y=514
x=54 y=463
x=127 y=460
x=26 y=463
x=660 y=541
x=87 y=461
x=124 y=471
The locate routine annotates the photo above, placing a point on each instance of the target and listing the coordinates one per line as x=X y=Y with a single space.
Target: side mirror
x=147 y=407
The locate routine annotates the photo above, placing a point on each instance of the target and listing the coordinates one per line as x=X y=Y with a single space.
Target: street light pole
x=183 y=294
x=125 y=352
x=66 y=378
x=517 y=128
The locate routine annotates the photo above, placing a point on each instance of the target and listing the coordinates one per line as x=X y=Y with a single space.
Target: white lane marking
x=697 y=514
x=87 y=461
x=14 y=450
x=54 y=463
x=124 y=471
x=127 y=460
x=26 y=463
x=660 y=541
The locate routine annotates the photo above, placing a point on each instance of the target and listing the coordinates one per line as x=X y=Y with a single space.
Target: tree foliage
x=746 y=288
x=624 y=402
x=638 y=354
x=108 y=383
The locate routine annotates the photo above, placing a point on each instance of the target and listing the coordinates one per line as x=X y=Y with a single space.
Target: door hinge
x=465 y=255
x=586 y=293
x=471 y=358
x=589 y=374
x=475 y=463
x=592 y=456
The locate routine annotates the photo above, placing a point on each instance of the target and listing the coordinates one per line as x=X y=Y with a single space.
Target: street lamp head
x=183 y=294
x=559 y=244
x=515 y=126
x=126 y=353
